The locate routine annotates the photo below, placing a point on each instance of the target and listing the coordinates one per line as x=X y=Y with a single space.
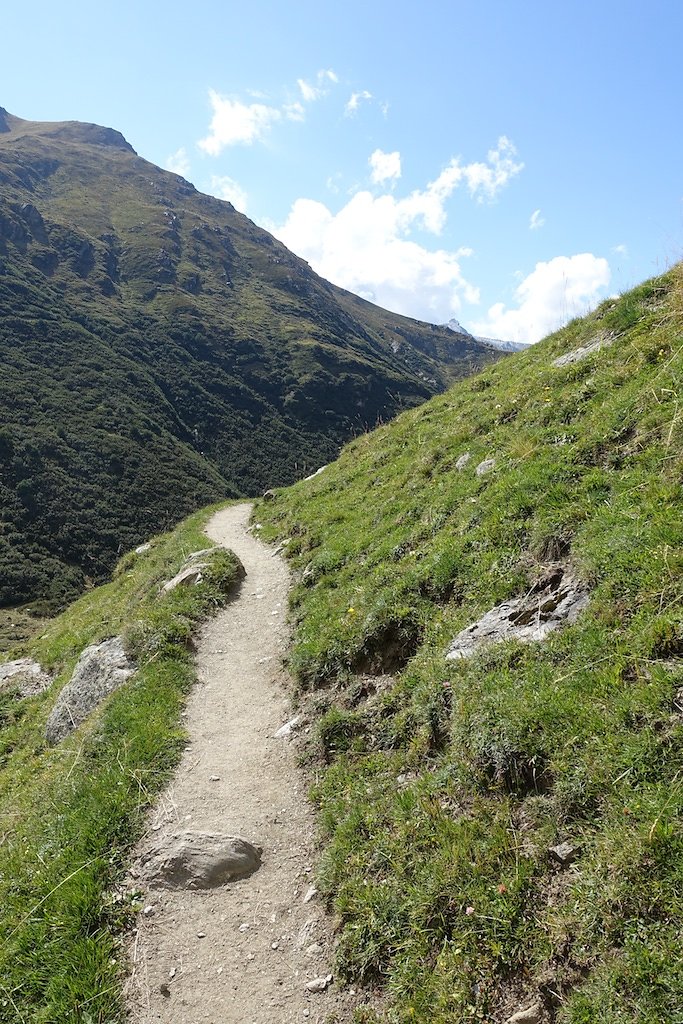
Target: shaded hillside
x=503 y=830
x=159 y=351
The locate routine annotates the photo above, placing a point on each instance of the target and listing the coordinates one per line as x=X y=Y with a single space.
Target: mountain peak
x=65 y=131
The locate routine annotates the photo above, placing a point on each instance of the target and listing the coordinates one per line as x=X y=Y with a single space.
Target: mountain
x=161 y=351
x=502 y=823
x=497 y=343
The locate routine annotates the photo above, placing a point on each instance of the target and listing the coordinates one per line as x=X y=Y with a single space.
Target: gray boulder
x=553 y=602
x=24 y=675
x=200 y=860
x=577 y=354
x=189 y=576
x=101 y=669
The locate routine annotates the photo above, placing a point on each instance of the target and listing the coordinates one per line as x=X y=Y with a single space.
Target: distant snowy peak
x=504 y=346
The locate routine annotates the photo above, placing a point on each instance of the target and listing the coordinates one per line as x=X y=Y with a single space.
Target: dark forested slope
x=160 y=351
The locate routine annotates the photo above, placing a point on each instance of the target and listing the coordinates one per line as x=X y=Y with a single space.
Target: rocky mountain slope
x=160 y=351
x=489 y=648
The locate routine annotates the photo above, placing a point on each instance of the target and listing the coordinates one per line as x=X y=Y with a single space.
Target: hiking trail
x=243 y=952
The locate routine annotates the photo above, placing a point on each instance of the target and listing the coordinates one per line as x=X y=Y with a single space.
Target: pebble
x=319 y=984
x=214 y=778
x=310 y=893
x=201 y=935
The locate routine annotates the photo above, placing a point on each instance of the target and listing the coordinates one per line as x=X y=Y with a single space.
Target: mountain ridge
x=162 y=351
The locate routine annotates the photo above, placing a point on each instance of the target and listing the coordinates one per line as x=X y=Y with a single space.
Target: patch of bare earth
x=246 y=950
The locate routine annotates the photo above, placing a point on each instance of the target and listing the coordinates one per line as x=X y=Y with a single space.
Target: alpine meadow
x=481 y=659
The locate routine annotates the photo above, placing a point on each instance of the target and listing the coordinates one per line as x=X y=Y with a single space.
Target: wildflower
x=350 y=611
x=469 y=911
x=502 y=889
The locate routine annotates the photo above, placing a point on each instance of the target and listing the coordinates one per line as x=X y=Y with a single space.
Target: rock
x=201 y=860
x=142 y=548
x=317 y=473
x=189 y=576
x=311 y=892
x=531 y=1015
x=200 y=554
x=485 y=467
x=24 y=675
x=462 y=461
x=554 y=601
x=314 y=949
x=269 y=495
x=101 y=669
x=288 y=728
x=583 y=351
x=564 y=853
x=319 y=984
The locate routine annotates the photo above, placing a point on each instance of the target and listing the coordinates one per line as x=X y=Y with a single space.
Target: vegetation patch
x=504 y=829
x=69 y=814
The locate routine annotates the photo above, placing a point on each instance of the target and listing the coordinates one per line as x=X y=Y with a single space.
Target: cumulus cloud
x=223 y=187
x=620 y=250
x=554 y=292
x=234 y=122
x=385 y=166
x=536 y=221
x=355 y=100
x=367 y=245
x=294 y=111
x=178 y=162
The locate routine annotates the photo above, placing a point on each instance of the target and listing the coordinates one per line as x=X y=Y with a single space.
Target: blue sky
x=505 y=162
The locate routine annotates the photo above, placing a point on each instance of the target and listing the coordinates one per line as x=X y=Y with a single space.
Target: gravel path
x=243 y=952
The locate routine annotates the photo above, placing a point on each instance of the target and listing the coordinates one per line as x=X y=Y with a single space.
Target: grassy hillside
x=442 y=785
x=160 y=351
x=69 y=814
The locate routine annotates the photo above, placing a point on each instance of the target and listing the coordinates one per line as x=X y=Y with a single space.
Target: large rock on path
x=100 y=670
x=200 y=860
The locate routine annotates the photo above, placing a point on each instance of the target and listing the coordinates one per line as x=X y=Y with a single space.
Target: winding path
x=244 y=952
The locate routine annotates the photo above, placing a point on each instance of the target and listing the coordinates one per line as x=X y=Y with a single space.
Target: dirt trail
x=243 y=952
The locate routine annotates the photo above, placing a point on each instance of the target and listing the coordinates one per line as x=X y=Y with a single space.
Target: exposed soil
x=243 y=952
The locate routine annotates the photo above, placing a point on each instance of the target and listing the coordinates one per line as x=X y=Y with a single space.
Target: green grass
x=69 y=814
x=441 y=794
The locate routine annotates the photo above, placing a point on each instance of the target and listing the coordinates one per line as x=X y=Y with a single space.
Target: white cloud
x=385 y=166
x=294 y=111
x=355 y=101
x=311 y=92
x=536 y=221
x=620 y=250
x=178 y=162
x=223 y=187
x=551 y=294
x=235 y=122
x=366 y=246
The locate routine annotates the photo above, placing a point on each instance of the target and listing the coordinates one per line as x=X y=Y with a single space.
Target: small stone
x=172 y=972
x=201 y=935
x=310 y=893
x=148 y=911
x=531 y=1015
x=314 y=949
x=462 y=461
x=485 y=467
x=164 y=989
x=564 y=853
x=244 y=927
x=275 y=945
x=319 y=984
x=214 y=778
x=142 y=548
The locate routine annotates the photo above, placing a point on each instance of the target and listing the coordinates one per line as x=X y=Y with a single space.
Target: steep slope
x=504 y=829
x=159 y=350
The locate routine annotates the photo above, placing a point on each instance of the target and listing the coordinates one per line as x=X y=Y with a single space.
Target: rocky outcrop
x=577 y=354
x=25 y=676
x=200 y=860
x=554 y=601
x=101 y=669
